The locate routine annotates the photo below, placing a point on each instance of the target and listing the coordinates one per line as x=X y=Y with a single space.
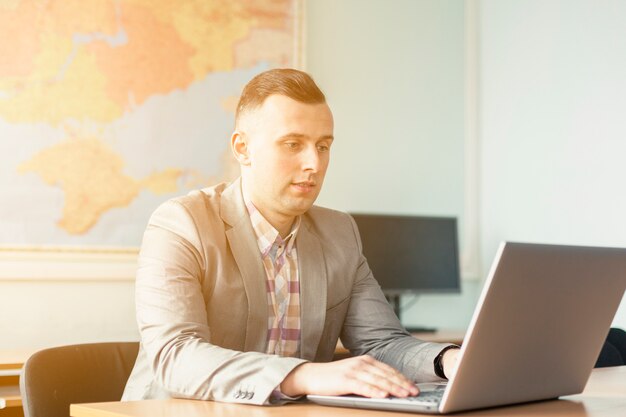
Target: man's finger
x=386 y=371
x=361 y=387
x=384 y=378
x=384 y=384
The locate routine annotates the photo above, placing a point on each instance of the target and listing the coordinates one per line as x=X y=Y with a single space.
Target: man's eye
x=291 y=145
x=323 y=148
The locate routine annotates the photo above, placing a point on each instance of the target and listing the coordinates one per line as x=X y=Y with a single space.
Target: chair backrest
x=54 y=378
x=613 y=352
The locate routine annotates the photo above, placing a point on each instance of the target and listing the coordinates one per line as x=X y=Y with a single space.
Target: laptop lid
x=539 y=325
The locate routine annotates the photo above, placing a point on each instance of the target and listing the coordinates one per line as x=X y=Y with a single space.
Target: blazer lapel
x=313 y=281
x=245 y=250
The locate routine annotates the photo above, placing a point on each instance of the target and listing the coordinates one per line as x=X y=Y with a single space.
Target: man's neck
x=281 y=223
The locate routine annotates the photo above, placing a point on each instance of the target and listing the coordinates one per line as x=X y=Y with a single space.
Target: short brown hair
x=295 y=84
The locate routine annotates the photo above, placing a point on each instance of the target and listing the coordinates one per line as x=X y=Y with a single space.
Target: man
x=244 y=289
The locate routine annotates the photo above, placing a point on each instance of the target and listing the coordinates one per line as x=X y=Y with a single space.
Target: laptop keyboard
x=428 y=397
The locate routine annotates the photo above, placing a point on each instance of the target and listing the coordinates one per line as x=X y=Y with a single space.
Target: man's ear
x=239 y=146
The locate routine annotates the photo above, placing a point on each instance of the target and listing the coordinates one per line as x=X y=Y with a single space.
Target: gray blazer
x=202 y=308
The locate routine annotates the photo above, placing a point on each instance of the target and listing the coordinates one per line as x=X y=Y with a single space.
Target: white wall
x=393 y=74
x=553 y=123
x=47 y=300
x=39 y=314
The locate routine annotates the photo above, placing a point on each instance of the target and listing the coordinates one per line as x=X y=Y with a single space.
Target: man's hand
x=362 y=375
x=449 y=362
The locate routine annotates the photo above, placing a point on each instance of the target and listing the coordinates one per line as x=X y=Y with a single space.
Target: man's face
x=288 y=148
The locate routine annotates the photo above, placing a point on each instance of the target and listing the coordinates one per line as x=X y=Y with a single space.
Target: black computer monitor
x=411 y=254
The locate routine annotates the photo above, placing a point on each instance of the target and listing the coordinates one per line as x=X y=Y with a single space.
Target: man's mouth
x=305 y=183
x=304 y=186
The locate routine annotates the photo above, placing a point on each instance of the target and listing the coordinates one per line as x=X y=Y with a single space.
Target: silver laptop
x=538 y=328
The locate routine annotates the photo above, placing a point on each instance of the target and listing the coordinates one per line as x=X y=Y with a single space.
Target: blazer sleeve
x=172 y=320
x=371 y=327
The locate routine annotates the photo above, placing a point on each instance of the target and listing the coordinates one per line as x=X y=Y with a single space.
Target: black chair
x=52 y=379
x=613 y=352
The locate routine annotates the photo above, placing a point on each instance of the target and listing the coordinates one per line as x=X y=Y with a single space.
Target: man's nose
x=311 y=159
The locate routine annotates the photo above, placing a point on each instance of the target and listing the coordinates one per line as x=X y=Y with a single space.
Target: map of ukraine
x=80 y=62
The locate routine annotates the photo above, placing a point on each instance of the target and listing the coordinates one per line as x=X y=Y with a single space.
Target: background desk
x=11 y=362
x=604 y=396
x=440 y=336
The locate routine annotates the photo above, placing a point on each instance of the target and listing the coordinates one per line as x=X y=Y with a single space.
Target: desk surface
x=11 y=362
x=604 y=396
x=10 y=396
x=442 y=336
x=13 y=359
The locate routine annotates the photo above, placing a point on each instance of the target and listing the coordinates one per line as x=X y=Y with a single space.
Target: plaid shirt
x=280 y=260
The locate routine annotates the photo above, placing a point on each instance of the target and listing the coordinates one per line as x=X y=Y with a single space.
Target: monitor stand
x=394 y=300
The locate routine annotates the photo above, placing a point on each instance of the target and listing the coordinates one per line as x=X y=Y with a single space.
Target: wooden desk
x=11 y=362
x=442 y=336
x=10 y=396
x=604 y=396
